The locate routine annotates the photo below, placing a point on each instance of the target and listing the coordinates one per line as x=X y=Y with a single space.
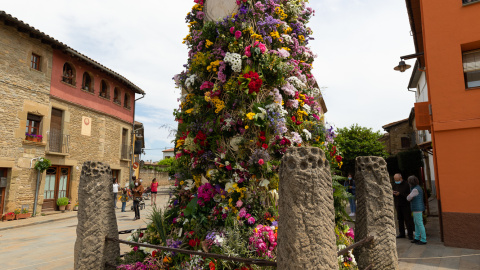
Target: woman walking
x=153 y=188
x=137 y=197
x=349 y=184
x=115 y=192
x=416 y=204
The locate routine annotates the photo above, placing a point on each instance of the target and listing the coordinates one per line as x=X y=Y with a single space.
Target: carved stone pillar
x=375 y=214
x=306 y=230
x=96 y=218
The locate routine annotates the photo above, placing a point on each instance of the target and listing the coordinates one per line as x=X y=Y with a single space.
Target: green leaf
x=191 y=207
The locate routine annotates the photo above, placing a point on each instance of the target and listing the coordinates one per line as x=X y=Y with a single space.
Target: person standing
x=349 y=184
x=124 y=198
x=401 y=190
x=154 y=188
x=137 y=197
x=416 y=203
x=115 y=192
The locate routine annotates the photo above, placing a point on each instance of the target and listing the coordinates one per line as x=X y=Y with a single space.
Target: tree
x=358 y=141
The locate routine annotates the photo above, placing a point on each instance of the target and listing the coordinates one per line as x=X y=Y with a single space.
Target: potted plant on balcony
x=29 y=137
x=38 y=138
x=62 y=203
x=9 y=216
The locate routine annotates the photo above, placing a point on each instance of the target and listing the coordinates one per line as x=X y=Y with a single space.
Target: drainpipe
x=36 y=188
x=132 y=155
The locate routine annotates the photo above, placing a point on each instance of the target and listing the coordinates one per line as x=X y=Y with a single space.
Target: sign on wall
x=86 y=126
x=218 y=9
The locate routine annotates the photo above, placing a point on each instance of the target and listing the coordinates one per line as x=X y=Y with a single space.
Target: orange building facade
x=448 y=33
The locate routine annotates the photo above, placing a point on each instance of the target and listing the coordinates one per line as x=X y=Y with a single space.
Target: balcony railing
x=125 y=153
x=465 y=2
x=57 y=142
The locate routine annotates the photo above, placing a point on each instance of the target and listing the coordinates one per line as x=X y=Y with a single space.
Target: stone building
x=75 y=108
x=400 y=136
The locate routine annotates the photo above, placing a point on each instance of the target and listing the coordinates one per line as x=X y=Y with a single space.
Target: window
x=124 y=143
x=104 y=91
x=471 y=68
x=469 y=1
x=68 y=74
x=32 y=128
x=87 y=82
x=126 y=101
x=405 y=142
x=116 y=95
x=35 y=62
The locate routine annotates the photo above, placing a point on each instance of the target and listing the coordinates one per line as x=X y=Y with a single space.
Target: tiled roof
x=9 y=20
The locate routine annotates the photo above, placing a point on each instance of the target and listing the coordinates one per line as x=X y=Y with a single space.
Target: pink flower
x=247 y=51
x=206 y=85
x=238 y=34
x=135 y=248
x=228 y=167
x=260 y=45
x=242 y=212
x=350 y=233
x=239 y=203
x=251 y=220
x=260 y=161
x=232 y=29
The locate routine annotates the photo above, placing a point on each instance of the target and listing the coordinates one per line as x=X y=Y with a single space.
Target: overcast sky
x=358 y=42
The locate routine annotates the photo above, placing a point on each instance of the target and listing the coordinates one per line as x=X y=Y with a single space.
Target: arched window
x=68 y=74
x=116 y=95
x=104 y=89
x=87 y=82
x=126 y=101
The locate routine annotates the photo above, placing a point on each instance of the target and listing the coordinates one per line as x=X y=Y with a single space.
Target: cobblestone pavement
x=47 y=242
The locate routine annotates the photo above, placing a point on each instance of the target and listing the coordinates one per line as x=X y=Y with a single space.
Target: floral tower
x=247 y=95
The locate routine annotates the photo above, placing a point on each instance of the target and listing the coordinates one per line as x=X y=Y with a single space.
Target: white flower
x=229 y=186
x=189 y=184
x=287 y=38
x=306 y=108
x=190 y=80
x=308 y=135
x=264 y=183
x=296 y=82
x=262 y=114
x=235 y=60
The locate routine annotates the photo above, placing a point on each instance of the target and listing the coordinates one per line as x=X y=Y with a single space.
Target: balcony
x=467 y=2
x=125 y=153
x=57 y=142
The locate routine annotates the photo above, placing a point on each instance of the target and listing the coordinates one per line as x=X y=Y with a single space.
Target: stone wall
x=393 y=142
x=23 y=90
x=147 y=176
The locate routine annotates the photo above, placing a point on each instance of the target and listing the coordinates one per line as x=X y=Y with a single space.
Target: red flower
x=262 y=138
x=194 y=242
x=265 y=146
x=299 y=123
x=338 y=158
x=154 y=253
x=211 y=265
x=141 y=235
x=294 y=119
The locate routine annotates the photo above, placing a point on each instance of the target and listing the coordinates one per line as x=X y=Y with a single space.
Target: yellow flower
x=223 y=196
x=287 y=30
x=230 y=200
x=189 y=111
x=246 y=127
x=208 y=43
x=250 y=115
x=275 y=34
x=286 y=48
x=181 y=183
x=180 y=143
x=198 y=7
x=301 y=38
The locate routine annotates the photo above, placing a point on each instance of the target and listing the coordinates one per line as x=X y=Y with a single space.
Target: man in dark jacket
x=401 y=189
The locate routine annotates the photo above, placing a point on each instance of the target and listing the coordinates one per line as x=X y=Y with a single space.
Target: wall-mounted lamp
x=402 y=66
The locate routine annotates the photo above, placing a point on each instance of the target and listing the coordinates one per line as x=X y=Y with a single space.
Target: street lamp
x=402 y=66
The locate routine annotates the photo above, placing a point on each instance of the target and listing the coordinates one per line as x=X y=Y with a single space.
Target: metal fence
x=57 y=142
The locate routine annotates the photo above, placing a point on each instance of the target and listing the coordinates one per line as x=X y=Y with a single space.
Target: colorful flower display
x=248 y=94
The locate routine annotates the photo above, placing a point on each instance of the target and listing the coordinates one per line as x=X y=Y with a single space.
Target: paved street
x=51 y=245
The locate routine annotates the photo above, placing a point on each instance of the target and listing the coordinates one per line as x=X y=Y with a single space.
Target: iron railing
x=57 y=142
x=125 y=154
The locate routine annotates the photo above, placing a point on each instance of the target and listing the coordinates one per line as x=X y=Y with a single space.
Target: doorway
x=3 y=187
x=57 y=185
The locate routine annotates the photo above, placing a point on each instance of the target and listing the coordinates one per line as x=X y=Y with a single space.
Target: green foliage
x=340 y=198
x=62 y=201
x=42 y=164
x=166 y=162
x=158 y=222
x=358 y=141
x=409 y=162
x=170 y=164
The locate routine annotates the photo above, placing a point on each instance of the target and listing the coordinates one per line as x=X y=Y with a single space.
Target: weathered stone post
x=375 y=214
x=306 y=230
x=96 y=218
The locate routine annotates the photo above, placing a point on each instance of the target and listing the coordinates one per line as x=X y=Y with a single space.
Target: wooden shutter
x=422 y=116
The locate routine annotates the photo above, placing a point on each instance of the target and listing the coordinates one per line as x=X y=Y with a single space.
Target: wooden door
x=55 y=136
x=57 y=185
x=3 y=173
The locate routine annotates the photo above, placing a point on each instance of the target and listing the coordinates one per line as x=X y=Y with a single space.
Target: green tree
x=358 y=141
x=168 y=165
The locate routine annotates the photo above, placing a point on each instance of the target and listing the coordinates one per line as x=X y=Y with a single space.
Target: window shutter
x=422 y=116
